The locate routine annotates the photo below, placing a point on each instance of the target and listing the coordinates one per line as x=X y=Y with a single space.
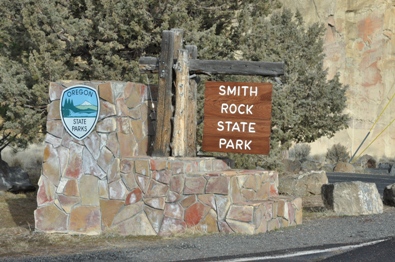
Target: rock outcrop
x=302 y=185
x=359 y=44
x=14 y=179
x=389 y=195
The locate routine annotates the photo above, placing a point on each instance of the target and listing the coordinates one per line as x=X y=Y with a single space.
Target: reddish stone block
x=191 y=167
x=176 y=167
x=273 y=190
x=223 y=227
x=218 y=185
x=86 y=220
x=133 y=197
x=194 y=185
x=194 y=214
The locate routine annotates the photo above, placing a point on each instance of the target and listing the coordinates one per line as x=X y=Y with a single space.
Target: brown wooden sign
x=237 y=117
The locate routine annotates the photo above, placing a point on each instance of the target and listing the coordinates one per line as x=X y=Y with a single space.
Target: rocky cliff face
x=360 y=45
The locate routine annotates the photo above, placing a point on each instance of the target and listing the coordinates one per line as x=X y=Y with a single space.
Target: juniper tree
x=49 y=40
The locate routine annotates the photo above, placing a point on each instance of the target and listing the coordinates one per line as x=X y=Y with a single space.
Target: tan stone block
x=241 y=213
x=85 y=220
x=106 y=111
x=158 y=163
x=114 y=170
x=275 y=209
x=283 y=209
x=55 y=128
x=112 y=143
x=89 y=190
x=51 y=170
x=194 y=185
x=299 y=216
x=92 y=143
x=143 y=182
x=68 y=202
x=263 y=192
x=142 y=167
x=127 y=212
x=248 y=194
x=138 y=225
x=106 y=125
x=109 y=209
x=103 y=189
x=55 y=91
x=171 y=226
x=130 y=181
x=105 y=159
x=127 y=166
x=251 y=182
x=121 y=107
x=208 y=200
x=273 y=224
x=138 y=129
x=206 y=165
x=90 y=166
x=105 y=92
x=262 y=227
x=135 y=98
x=235 y=192
x=217 y=185
x=156 y=202
x=173 y=210
x=157 y=189
x=71 y=188
x=188 y=201
x=222 y=206
x=162 y=176
x=117 y=190
x=155 y=217
x=241 y=227
x=50 y=219
x=46 y=191
x=209 y=224
x=298 y=203
x=177 y=183
x=53 y=110
x=135 y=113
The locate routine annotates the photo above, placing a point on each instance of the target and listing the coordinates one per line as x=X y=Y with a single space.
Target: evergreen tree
x=50 y=40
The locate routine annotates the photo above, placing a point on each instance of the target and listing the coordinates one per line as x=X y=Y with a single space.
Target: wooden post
x=192 y=108
x=170 y=41
x=179 y=144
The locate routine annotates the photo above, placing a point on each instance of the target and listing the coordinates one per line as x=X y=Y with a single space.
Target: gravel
x=311 y=234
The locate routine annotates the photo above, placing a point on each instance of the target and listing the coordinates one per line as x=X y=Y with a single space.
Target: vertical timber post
x=191 y=108
x=179 y=143
x=171 y=41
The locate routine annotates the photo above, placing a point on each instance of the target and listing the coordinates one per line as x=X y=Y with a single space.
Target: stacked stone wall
x=109 y=182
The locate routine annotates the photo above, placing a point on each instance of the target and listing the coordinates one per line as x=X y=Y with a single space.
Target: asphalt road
x=381 y=181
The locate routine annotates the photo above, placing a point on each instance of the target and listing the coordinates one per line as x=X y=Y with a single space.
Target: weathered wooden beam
x=150 y=65
x=179 y=142
x=192 y=108
x=170 y=41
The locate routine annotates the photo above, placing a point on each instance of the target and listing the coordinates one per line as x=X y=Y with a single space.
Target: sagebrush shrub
x=300 y=152
x=337 y=153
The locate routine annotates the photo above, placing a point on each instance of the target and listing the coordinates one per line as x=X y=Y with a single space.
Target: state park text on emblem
x=237 y=117
x=79 y=110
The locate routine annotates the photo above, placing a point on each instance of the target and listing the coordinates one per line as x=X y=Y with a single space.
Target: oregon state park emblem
x=79 y=110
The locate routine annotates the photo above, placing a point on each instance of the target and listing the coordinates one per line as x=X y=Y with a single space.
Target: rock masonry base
x=107 y=182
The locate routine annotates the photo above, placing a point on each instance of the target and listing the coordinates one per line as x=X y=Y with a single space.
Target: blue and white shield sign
x=79 y=110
